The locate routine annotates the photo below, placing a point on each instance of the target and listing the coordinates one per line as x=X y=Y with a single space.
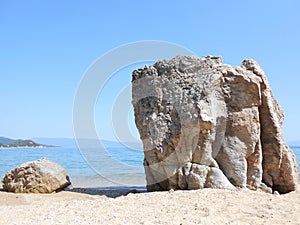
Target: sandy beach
x=207 y=206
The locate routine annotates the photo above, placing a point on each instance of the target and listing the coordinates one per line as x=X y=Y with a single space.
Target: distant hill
x=6 y=141
x=61 y=142
x=91 y=143
x=19 y=143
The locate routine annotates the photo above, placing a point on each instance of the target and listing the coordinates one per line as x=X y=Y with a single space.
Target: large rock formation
x=207 y=124
x=41 y=176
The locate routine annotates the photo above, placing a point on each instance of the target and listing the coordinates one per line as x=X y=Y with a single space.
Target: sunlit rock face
x=207 y=124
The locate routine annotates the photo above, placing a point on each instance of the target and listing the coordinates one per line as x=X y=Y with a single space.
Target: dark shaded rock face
x=40 y=176
x=207 y=124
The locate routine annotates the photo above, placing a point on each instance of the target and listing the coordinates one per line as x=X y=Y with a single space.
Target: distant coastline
x=21 y=147
x=19 y=143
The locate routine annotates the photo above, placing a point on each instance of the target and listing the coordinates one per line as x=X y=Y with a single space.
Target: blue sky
x=46 y=47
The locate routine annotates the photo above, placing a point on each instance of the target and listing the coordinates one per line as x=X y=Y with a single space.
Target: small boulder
x=40 y=176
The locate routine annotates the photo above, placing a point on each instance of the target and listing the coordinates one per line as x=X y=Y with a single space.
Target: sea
x=117 y=166
x=111 y=167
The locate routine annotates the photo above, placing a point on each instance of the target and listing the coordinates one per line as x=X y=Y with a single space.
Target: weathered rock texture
x=41 y=176
x=207 y=124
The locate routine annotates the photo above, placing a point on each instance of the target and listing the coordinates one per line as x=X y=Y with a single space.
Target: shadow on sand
x=110 y=192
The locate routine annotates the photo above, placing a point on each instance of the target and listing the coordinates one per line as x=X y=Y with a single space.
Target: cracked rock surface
x=207 y=124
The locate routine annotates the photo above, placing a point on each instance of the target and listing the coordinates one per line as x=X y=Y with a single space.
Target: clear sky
x=46 y=47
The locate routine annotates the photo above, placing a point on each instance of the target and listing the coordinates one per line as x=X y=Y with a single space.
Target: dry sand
x=208 y=206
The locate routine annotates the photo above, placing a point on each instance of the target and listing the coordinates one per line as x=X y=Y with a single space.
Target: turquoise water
x=127 y=172
x=122 y=167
